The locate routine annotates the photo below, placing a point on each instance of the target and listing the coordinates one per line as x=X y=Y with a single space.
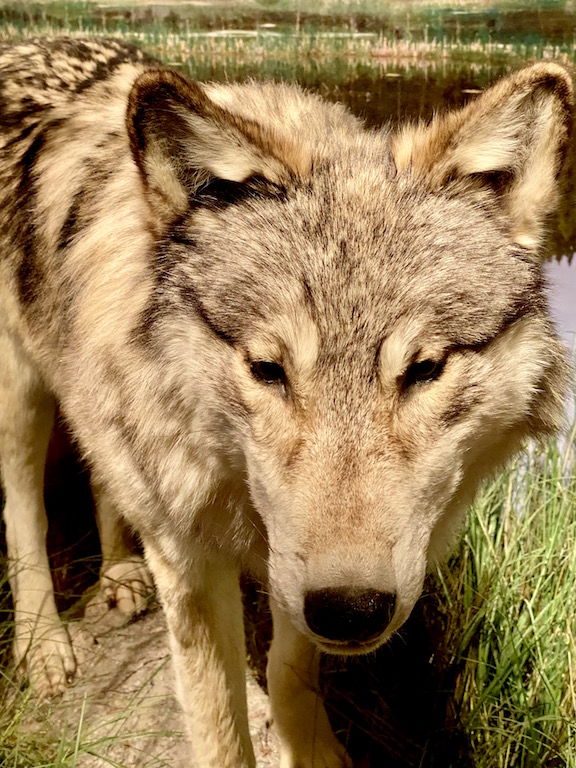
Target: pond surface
x=388 y=61
x=562 y=278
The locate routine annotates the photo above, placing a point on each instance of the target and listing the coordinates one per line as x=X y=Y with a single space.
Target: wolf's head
x=365 y=312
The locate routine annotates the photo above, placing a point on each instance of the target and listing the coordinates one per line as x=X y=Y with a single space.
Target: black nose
x=348 y=615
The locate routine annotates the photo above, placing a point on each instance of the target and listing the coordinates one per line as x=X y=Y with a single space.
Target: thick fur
x=283 y=343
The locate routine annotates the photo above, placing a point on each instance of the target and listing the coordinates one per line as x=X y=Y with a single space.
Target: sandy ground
x=123 y=705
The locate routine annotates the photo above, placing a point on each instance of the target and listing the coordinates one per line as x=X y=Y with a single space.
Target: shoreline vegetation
x=414 y=33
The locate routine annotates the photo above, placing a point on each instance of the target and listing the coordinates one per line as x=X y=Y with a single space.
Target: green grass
x=513 y=591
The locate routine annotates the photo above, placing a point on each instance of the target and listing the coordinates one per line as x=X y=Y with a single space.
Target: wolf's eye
x=422 y=372
x=269 y=373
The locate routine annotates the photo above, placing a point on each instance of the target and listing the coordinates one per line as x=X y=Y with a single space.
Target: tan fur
x=285 y=344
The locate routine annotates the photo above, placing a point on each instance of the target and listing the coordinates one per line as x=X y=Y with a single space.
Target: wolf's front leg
x=42 y=648
x=200 y=595
x=124 y=577
x=306 y=737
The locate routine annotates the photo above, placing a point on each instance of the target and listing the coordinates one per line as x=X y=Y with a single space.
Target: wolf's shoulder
x=70 y=64
x=40 y=73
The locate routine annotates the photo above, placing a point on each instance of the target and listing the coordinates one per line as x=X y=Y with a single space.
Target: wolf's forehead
x=356 y=240
x=406 y=254
x=358 y=250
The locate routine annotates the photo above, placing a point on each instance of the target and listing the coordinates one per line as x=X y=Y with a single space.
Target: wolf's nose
x=348 y=615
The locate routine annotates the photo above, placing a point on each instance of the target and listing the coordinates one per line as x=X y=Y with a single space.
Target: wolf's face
x=374 y=332
x=377 y=351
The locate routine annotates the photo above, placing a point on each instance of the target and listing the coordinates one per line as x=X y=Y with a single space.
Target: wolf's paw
x=127 y=585
x=43 y=653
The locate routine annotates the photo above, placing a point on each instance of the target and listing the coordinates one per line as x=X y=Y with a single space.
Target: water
x=388 y=61
x=562 y=278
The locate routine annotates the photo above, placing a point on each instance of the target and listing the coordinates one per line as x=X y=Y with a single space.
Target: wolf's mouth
x=350 y=647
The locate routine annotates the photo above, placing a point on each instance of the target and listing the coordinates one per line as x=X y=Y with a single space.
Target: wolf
x=284 y=343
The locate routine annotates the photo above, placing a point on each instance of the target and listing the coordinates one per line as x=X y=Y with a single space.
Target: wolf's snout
x=348 y=615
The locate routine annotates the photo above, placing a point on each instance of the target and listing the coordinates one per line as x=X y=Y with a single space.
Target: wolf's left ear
x=181 y=141
x=509 y=143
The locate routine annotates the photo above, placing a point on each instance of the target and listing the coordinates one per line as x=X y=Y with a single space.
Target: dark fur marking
x=74 y=221
x=81 y=211
x=180 y=237
x=24 y=133
x=29 y=270
x=127 y=433
x=294 y=454
x=103 y=69
x=11 y=119
x=308 y=293
x=163 y=263
x=157 y=309
x=28 y=274
x=524 y=305
x=191 y=300
x=465 y=400
x=310 y=301
x=142 y=334
x=462 y=403
x=218 y=194
x=30 y=157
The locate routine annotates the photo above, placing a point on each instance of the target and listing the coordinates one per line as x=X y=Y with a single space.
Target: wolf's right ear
x=181 y=140
x=507 y=146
